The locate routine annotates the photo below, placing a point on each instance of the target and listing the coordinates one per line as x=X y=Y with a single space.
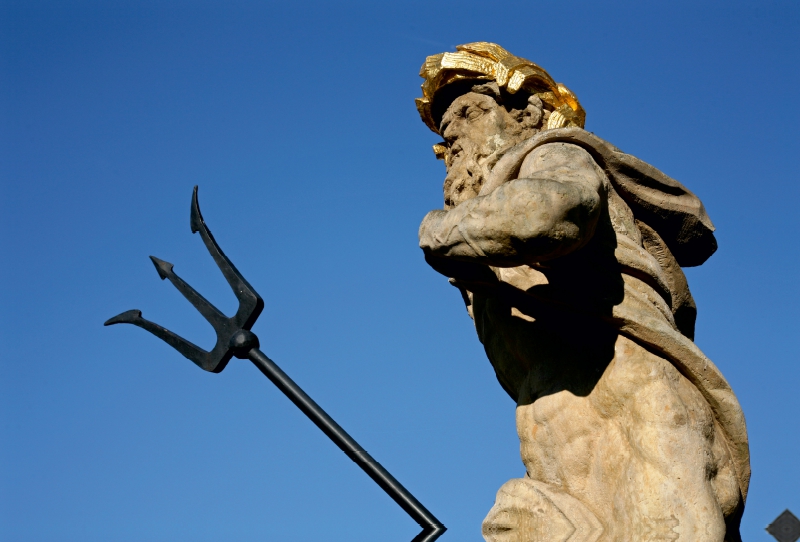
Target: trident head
x=233 y=334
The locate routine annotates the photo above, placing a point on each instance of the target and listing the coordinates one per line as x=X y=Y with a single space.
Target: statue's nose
x=452 y=129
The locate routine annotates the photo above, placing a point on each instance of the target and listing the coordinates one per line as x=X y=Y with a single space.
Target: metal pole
x=432 y=527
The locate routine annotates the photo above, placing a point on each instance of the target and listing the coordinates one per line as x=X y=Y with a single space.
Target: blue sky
x=298 y=124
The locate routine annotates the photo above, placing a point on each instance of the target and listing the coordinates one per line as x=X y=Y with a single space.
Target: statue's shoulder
x=655 y=198
x=560 y=156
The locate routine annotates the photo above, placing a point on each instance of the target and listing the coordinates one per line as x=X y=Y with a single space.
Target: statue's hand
x=429 y=228
x=470 y=275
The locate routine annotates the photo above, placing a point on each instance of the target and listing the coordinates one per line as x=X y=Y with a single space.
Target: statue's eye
x=473 y=113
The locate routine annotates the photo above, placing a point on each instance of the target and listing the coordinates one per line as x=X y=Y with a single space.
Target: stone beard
x=568 y=255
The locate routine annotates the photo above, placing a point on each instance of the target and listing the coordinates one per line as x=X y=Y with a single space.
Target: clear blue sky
x=298 y=124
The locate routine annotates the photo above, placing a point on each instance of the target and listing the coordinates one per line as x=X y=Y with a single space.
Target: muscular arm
x=549 y=211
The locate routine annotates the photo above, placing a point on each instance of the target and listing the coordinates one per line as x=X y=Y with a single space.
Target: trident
x=234 y=338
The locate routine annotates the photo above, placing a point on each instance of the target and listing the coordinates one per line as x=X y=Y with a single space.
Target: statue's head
x=483 y=100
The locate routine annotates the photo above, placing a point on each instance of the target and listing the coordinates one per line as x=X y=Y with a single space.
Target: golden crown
x=489 y=61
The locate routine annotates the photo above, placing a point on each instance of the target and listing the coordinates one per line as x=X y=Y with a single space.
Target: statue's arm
x=549 y=211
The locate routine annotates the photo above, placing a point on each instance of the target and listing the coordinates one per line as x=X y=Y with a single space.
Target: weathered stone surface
x=527 y=510
x=568 y=253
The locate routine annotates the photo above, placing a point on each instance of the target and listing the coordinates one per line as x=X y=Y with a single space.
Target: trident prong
x=234 y=338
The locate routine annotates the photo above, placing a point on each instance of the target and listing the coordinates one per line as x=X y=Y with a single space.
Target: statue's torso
x=594 y=406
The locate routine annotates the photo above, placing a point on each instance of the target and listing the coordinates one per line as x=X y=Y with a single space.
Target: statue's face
x=476 y=130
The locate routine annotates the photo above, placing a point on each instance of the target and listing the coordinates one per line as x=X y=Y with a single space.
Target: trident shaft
x=234 y=338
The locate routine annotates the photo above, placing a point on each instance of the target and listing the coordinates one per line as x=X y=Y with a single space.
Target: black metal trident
x=234 y=338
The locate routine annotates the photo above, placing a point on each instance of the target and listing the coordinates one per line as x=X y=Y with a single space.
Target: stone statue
x=568 y=255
